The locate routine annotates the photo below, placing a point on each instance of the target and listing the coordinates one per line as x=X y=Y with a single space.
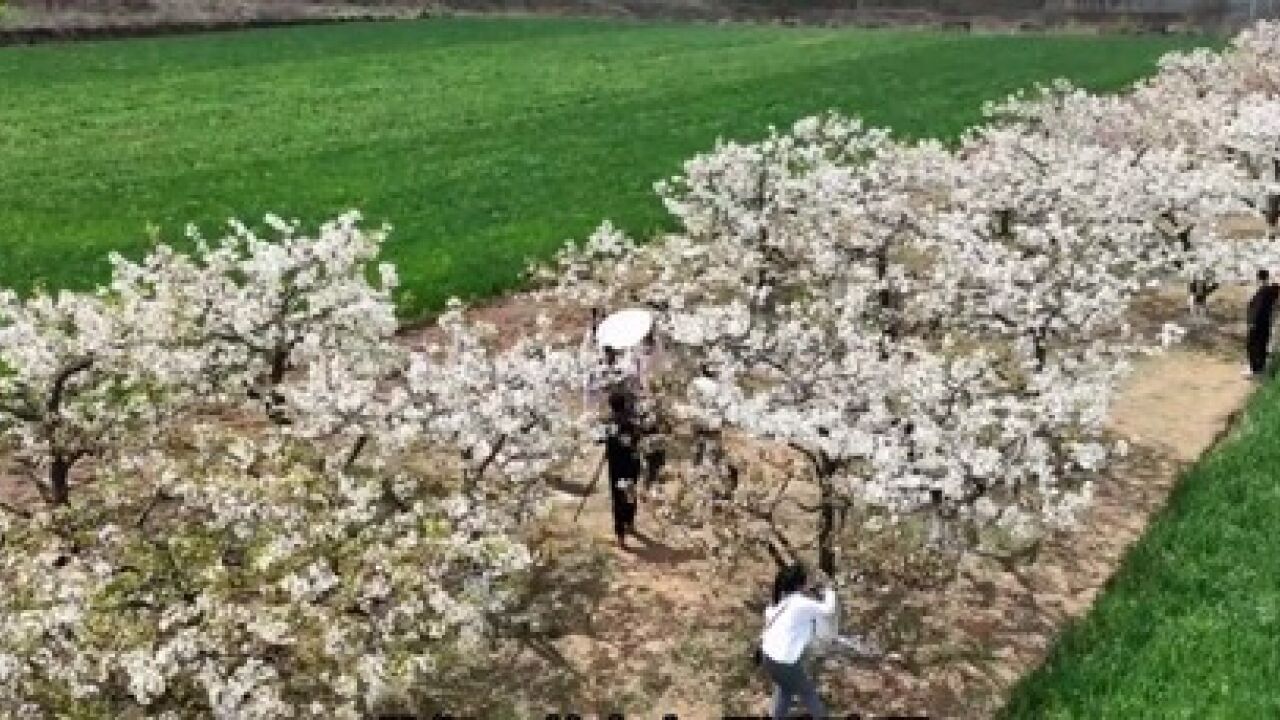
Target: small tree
x=78 y=380
x=252 y=310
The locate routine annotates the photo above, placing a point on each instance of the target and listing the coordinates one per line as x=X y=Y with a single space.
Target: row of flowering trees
x=937 y=331
x=250 y=500
x=254 y=502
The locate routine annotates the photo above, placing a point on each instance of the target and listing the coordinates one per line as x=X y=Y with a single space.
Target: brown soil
x=511 y=317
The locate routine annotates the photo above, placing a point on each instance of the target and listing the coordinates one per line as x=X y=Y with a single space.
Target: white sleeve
x=769 y=611
x=811 y=609
x=826 y=626
x=828 y=605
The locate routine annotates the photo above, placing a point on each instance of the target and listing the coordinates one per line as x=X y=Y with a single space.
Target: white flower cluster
x=282 y=512
x=940 y=331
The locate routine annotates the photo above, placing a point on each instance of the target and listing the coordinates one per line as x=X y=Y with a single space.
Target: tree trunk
x=1184 y=237
x=279 y=363
x=1006 y=222
x=59 y=476
x=274 y=399
x=827 y=528
x=1040 y=337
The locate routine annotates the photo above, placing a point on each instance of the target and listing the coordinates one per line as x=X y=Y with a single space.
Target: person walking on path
x=790 y=623
x=622 y=454
x=1259 y=316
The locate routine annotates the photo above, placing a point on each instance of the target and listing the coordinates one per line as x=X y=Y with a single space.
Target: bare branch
x=61 y=380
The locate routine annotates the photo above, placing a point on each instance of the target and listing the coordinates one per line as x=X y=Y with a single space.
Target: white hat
x=624 y=329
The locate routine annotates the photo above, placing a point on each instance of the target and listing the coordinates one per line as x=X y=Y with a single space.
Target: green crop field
x=482 y=141
x=1188 y=627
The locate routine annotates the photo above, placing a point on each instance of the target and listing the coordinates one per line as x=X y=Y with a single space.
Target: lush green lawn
x=1190 y=627
x=482 y=141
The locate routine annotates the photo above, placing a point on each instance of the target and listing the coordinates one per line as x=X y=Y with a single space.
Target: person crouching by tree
x=790 y=623
x=622 y=454
x=1259 y=316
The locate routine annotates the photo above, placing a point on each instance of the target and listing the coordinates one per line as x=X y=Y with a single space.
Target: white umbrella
x=624 y=329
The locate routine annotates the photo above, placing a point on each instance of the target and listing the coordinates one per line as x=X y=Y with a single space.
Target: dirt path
x=1179 y=403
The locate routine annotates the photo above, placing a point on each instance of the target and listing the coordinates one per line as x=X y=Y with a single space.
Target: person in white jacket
x=790 y=625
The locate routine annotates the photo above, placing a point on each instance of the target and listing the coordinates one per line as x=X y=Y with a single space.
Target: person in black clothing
x=622 y=454
x=1260 y=314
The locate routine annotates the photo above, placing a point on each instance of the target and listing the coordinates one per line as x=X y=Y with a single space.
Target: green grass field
x=482 y=141
x=1190 y=625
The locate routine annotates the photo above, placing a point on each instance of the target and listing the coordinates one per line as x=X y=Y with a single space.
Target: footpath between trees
x=666 y=638
x=1187 y=626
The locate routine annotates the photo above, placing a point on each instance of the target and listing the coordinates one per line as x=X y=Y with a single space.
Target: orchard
x=249 y=498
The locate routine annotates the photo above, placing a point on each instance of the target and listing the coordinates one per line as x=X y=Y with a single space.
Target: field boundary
x=41 y=35
x=91 y=27
x=1092 y=661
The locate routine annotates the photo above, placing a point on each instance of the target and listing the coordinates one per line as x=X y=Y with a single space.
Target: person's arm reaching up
x=811 y=610
x=828 y=604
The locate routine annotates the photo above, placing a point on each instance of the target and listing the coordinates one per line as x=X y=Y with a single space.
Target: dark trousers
x=789 y=684
x=1256 y=344
x=624 y=508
